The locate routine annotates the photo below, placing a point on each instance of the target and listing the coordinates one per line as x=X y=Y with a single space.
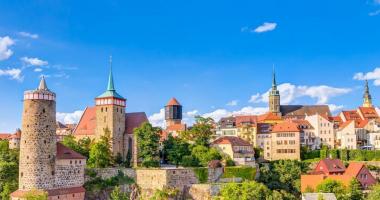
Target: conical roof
x=110 y=92
x=42 y=85
x=173 y=102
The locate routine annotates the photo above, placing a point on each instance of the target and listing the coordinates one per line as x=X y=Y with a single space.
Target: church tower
x=38 y=140
x=367 y=98
x=173 y=112
x=274 y=97
x=110 y=116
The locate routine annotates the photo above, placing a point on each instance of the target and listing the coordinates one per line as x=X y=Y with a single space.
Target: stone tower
x=274 y=97
x=173 y=112
x=367 y=98
x=38 y=140
x=110 y=115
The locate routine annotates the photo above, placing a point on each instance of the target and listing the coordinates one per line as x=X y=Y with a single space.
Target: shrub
x=189 y=161
x=333 y=153
x=202 y=174
x=246 y=173
x=343 y=154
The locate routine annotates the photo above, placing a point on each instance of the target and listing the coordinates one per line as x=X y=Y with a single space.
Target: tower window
x=101 y=109
x=22 y=174
x=106 y=109
x=43 y=110
x=52 y=173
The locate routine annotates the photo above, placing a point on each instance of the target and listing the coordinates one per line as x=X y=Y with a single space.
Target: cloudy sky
x=216 y=57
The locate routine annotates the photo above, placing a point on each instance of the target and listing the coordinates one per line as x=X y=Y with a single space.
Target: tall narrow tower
x=110 y=116
x=367 y=98
x=173 y=112
x=274 y=97
x=38 y=140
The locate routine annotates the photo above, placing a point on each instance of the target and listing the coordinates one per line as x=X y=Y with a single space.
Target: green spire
x=274 y=84
x=366 y=88
x=110 y=86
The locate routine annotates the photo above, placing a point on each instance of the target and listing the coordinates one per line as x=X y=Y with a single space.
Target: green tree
x=177 y=149
x=148 y=144
x=354 y=190
x=201 y=132
x=81 y=146
x=8 y=169
x=100 y=153
x=332 y=186
x=36 y=195
x=245 y=191
x=128 y=159
x=375 y=193
x=116 y=194
x=205 y=154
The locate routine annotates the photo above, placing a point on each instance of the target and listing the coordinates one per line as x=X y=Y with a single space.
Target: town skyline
x=214 y=65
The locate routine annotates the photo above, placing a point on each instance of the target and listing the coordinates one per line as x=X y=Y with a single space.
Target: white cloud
x=290 y=93
x=232 y=103
x=29 y=35
x=374 y=75
x=69 y=118
x=374 y=13
x=5 y=43
x=34 y=61
x=267 y=26
x=248 y=110
x=255 y=98
x=192 y=113
x=335 y=108
x=158 y=119
x=14 y=74
x=38 y=70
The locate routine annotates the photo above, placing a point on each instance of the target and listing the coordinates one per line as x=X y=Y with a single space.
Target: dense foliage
x=97 y=184
x=117 y=194
x=283 y=175
x=375 y=193
x=100 y=152
x=8 y=170
x=343 y=154
x=341 y=192
x=202 y=174
x=200 y=133
x=148 y=144
x=246 y=173
x=252 y=190
x=174 y=150
x=81 y=146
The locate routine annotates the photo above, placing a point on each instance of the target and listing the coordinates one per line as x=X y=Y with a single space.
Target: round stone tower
x=173 y=112
x=38 y=140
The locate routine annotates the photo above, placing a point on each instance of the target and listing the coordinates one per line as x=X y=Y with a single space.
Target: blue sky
x=216 y=57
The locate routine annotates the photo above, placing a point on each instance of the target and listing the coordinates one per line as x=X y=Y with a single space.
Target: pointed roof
x=173 y=102
x=366 y=89
x=274 y=83
x=111 y=91
x=42 y=85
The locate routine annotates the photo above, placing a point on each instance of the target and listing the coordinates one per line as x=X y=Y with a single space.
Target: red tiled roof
x=234 y=141
x=303 y=123
x=64 y=152
x=335 y=119
x=345 y=124
x=87 y=122
x=134 y=120
x=176 y=127
x=286 y=127
x=268 y=116
x=246 y=120
x=17 y=135
x=353 y=169
x=54 y=192
x=333 y=165
x=351 y=115
x=368 y=112
x=312 y=181
x=173 y=102
x=4 y=136
x=361 y=123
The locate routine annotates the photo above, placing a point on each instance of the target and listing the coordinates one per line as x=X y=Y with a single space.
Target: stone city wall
x=69 y=173
x=203 y=191
x=106 y=173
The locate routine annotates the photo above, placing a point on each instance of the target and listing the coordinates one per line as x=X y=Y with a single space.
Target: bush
x=202 y=174
x=323 y=153
x=343 y=154
x=246 y=173
x=190 y=161
x=333 y=153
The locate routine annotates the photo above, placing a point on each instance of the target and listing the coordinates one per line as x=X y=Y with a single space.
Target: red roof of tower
x=173 y=102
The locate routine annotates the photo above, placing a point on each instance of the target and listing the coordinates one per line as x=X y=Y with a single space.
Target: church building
x=109 y=115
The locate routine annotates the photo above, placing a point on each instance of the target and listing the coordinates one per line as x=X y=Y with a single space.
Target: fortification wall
x=69 y=173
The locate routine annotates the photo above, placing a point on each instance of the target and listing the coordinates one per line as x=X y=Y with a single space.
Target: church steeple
x=367 y=98
x=110 y=86
x=274 y=97
x=111 y=91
